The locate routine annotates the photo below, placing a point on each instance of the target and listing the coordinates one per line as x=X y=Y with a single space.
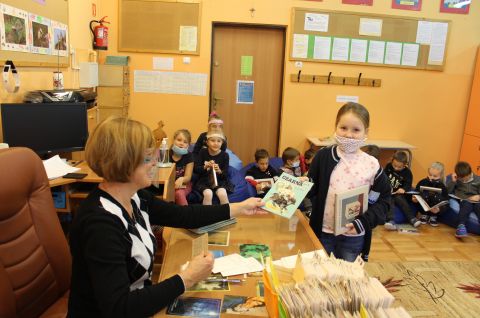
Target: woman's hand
x=350 y=229
x=178 y=183
x=199 y=268
x=250 y=206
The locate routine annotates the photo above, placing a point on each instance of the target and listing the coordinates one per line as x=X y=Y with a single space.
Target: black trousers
x=401 y=201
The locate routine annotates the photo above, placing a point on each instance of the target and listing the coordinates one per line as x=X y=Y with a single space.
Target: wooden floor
x=430 y=244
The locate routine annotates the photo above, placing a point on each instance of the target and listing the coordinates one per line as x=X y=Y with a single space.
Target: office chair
x=35 y=262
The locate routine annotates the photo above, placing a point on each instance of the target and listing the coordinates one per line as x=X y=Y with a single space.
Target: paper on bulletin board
x=358 y=50
x=393 y=53
x=60 y=38
x=424 y=32
x=15 y=32
x=170 y=83
x=40 y=34
x=340 y=49
x=316 y=22
x=300 y=46
x=245 y=92
x=410 y=54
x=376 y=52
x=322 y=47
x=188 y=38
x=438 y=42
x=163 y=63
x=371 y=27
x=246 y=65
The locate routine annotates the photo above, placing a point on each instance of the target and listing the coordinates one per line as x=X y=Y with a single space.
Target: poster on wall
x=358 y=2
x=415 y=5
x=455 y=6
x=40 y=34
x=245 y=92
x=14 y=29
x=60 y=38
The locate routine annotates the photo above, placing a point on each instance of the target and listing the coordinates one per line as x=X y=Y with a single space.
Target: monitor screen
x=45 y=127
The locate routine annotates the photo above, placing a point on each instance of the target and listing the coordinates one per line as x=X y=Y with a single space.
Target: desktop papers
x=56 y=168
x=235 y=264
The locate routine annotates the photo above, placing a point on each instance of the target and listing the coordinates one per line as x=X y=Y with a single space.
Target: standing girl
x=183 y=165
x=343 y=167
x=215 y=124
x=213 y=158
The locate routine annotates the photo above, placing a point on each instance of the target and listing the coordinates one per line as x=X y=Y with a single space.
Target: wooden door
x=472 y=127
x=248 y=126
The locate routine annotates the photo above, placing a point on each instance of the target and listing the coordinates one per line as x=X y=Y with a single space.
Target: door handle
x=215 y=99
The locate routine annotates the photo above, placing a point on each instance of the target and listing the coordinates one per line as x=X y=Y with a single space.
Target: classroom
x=227 y=86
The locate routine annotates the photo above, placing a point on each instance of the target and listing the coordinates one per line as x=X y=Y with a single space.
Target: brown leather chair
x=35 y=262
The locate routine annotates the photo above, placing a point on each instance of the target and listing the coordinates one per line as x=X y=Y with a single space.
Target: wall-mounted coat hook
x=329 y=75
x=298 y=77
x=359 y=76
x=343 y=81
x=313 y=81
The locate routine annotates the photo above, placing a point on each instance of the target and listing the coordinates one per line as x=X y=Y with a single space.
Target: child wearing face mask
x=291 y=162
x=433 y=180
x=340 y=168
x=215 y=124
x=213 y=158
x=183 y=165
x=465 y=185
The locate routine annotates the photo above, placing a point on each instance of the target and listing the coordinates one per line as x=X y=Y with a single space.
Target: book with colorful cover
x=348 y=205
x=286 y=195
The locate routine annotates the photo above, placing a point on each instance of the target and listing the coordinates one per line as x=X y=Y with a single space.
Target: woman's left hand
x=250 y=206
x=350 y=229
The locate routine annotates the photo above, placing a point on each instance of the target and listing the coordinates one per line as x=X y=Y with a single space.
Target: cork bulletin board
x=56 y=10
x=163 y=26
x=359 y=38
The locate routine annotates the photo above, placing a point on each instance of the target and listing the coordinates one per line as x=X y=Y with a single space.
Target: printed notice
x=372 y=27
x=410 y=54
x=358 y=50
x=188 y=38
x=246 y=65
x=300 y=46
x=245 y=92
x=316 y=22
x=424 y=32
x=438 y=42
x=163 y=63
x=170 y=83
x=340 y=49
x=376 y=52
x=321 y=50
x=346 y=99
x=393 y=53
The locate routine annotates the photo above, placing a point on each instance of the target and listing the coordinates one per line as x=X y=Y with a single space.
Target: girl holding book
x=183 y=165
x=215 y=124
x=211 y=164
x=341 y=168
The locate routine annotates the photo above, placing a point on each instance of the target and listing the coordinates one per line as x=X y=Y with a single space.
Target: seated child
x=372 y=150
x=400 y=178
x=261 y=170
x=213 y=158
x=466 y=186
x=291 y=162
x=215 y=124
x=433 y=180
x=308 y=157
x=183 y=165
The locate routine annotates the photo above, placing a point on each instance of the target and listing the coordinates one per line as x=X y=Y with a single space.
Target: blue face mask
x=179 y=151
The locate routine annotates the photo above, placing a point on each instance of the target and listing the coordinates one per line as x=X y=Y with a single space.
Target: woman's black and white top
x=112 y=254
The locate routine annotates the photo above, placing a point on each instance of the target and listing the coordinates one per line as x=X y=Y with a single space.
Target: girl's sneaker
x=390 y=225
x=415 y=222
x=433 y=221
x=424 y=219
x=461 y=231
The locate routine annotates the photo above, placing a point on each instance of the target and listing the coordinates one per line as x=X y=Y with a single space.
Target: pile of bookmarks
x=323 y=286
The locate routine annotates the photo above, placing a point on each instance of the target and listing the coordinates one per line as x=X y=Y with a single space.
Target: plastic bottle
x=164 y=160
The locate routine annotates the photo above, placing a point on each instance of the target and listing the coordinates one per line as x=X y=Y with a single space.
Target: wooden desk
x=73 y=189
x=284 y=237
x=317 y=143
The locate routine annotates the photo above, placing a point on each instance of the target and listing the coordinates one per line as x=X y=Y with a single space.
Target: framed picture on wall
x=455 y=6
x=415 y=5
x=358 y=2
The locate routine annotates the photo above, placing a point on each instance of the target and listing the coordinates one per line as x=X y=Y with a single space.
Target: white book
x=425 y=205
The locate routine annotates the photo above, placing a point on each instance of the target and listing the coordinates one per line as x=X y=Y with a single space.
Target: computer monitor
x=46 y=128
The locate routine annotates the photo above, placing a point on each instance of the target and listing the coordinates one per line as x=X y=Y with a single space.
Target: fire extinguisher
x=100 y=34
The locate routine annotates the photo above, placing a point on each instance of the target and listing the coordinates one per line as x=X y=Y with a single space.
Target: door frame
x=253 y=26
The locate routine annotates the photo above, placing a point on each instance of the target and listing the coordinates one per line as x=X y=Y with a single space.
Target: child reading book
x=344 y=167
x=183 y=165
x=425 y=189
x=262 y=174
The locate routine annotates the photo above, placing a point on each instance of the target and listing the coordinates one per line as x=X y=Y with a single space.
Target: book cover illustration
x=265 y=185
x=196 y=307
x=206 y=285
x=243 y=305
x=348 y=205
x=257 y=251
x=286 y=195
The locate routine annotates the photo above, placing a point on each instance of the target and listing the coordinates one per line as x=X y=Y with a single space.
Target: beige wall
x=426 y=109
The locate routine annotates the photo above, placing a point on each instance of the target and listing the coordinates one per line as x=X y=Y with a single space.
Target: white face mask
x=349 y=145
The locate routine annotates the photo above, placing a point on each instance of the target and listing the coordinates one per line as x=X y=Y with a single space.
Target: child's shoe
x=424 y=219
x=415 y=222
x=390 y=225
x=433 y=221
x=461 y=231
